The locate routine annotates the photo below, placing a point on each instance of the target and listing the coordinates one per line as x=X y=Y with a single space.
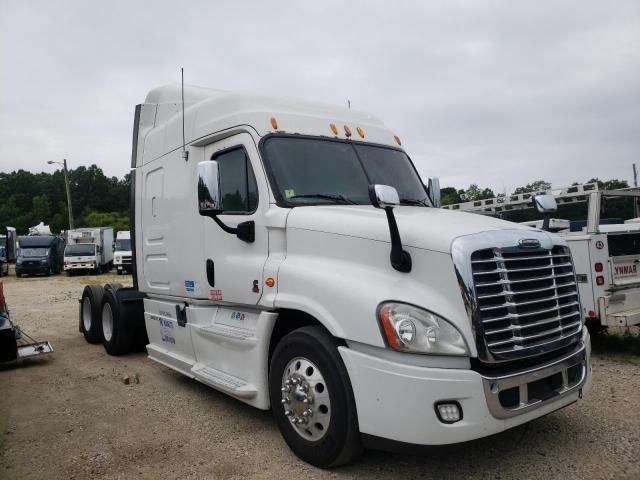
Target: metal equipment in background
x=15 y=344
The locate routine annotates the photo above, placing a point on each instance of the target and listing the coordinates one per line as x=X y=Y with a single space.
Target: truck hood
x=426 y=228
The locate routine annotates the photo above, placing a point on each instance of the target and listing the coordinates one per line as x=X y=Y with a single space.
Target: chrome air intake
x=520 y=292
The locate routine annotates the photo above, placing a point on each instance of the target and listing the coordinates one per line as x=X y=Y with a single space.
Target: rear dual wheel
x=118 y=331
x=90 y=312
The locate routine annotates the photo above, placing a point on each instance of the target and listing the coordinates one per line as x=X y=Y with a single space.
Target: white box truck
x=291 y=257
x=89 y=250
x=122 y=254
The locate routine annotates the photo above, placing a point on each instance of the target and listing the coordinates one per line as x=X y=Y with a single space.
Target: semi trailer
x=89 y=250
x=287 y=253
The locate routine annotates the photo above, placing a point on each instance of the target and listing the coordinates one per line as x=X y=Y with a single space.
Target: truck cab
x=39 y=254
x=89 y=250
x=122 y=255
x=288 y=254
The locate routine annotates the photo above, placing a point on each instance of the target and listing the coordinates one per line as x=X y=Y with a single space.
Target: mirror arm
x=400 y=259
x=226 y=228
x=545 y=222
x=245 y=231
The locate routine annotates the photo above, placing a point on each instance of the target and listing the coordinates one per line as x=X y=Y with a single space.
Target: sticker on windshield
x=289 y=192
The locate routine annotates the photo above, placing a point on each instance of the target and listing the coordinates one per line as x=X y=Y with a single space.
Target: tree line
x=27 y=199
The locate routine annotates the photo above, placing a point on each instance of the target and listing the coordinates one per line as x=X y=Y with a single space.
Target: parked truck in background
x=290 y=256
x=39 y=254
x=8 y=247
x=606 y=256
x=89 y=250
x=122 y=255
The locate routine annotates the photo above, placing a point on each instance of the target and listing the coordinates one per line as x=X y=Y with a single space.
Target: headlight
x=19 y=261
x=410 y=329
x=118 y=258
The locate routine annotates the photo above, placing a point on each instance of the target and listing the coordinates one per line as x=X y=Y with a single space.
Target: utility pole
x=66 y=184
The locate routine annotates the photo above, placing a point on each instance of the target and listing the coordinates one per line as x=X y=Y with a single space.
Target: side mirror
x=383 y=196
x=433 y=189
x=545 y=203
x=209 y=202
x=386 y=197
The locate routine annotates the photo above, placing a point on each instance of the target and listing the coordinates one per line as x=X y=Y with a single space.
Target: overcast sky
x=498 y=93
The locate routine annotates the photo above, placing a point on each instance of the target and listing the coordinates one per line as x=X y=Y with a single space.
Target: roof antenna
x=349 y=104
x=185 y=154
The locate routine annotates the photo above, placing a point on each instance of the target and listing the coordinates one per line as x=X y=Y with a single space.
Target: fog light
x=449 y=412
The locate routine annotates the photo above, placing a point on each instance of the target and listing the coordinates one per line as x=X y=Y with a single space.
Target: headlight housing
x=411 y=329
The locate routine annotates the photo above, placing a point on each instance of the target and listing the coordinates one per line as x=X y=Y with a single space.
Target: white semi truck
x=122 y=255
x=290 y=256
x=89 y=250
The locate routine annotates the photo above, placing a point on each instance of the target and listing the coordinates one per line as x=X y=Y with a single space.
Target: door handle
x=211 y=273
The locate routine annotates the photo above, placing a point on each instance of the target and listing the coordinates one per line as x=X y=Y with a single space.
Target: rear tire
x=119 y=332
x=329 y=436
x=90 y=313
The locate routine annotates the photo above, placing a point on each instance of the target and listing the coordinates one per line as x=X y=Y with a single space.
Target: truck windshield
x=311 y=171
x=80 y=250
x=123 y=245
x=34 y=252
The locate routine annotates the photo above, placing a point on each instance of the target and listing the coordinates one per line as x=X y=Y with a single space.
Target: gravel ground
x=71 y=416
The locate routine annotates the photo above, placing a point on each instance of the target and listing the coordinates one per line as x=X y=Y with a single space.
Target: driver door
x=235 y=267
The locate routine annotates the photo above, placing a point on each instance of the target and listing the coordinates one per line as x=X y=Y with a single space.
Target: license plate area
x=625 y=270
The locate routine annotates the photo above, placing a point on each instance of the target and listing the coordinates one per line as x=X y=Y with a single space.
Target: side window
x=238 y=188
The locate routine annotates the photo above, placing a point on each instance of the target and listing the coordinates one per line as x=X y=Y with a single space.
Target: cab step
x=223 y=381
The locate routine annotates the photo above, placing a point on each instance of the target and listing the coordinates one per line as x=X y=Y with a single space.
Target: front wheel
x=312 y=399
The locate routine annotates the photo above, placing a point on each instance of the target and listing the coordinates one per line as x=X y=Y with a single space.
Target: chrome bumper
x=519 y=392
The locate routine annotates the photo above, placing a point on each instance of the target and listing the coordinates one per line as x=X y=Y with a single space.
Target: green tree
x=40 y=209
x=537 y=186
x=474 y=192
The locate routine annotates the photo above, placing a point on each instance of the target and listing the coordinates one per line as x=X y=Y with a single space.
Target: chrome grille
x=526 y=299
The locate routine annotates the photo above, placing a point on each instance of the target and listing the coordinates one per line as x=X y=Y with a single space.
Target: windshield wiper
x=326 y=196
x=413 y=201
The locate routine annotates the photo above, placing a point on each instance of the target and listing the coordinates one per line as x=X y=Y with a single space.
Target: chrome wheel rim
x=86 y=314
x=305 y=399
x=107 y=322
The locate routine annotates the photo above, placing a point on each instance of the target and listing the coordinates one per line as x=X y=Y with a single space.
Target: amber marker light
x=270 y=282
x=274 y=123
x=360 y=132
x=347 y=131
x=397 y=139
x=334 y=129
x=385 y=312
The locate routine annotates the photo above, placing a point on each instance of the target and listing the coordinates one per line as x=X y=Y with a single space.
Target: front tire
x=312 y=399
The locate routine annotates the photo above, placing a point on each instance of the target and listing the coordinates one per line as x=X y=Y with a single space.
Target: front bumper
x=79 y=266
x=31 y=269
x=397 y=401
x=620 y=308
